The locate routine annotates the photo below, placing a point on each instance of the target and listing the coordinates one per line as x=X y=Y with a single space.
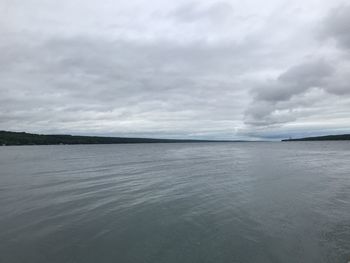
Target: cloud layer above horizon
x=176 y=69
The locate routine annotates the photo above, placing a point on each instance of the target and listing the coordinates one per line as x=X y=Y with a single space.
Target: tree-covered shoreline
x=341 y=137
x=23 y=138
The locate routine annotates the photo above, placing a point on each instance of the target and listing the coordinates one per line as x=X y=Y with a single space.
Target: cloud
x=271 y=104
x=125 y=86
x=295 y=80
x=337 y=26
x=215 y=13
x=271 y=100
x=202 y=70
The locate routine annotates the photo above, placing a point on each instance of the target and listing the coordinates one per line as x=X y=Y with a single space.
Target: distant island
x=23 y=138
x=342 y=137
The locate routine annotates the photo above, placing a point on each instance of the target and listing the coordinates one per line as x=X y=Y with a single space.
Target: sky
x=252 y=70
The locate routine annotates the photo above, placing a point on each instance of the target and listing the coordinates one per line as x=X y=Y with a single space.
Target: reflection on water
x=217 y=202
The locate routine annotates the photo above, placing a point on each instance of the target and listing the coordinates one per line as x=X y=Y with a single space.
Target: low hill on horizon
x=341 y=137
x=23 y=138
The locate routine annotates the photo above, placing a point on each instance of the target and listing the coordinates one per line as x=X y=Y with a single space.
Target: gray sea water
x=209 y=202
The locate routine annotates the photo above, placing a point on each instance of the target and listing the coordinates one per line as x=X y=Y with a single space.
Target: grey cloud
x=294 y=81
x=270 y=103
x=309 y=74
x=80 y=78
x=272 y=98
x=198 y=69
x=261 y=114
x=191 y=12
x=337 y=26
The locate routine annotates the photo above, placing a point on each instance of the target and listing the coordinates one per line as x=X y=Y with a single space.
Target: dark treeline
x=23 y=138
x=341 y=137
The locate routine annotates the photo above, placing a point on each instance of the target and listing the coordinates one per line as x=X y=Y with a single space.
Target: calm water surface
x=218 y=202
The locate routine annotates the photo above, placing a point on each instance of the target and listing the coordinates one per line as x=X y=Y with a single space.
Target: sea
x=240 y=202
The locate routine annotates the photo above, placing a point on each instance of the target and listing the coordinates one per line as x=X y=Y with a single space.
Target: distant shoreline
x=8 y=138
x=341 y=137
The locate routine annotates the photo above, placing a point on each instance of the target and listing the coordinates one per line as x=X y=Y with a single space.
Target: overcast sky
x=177 y=69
